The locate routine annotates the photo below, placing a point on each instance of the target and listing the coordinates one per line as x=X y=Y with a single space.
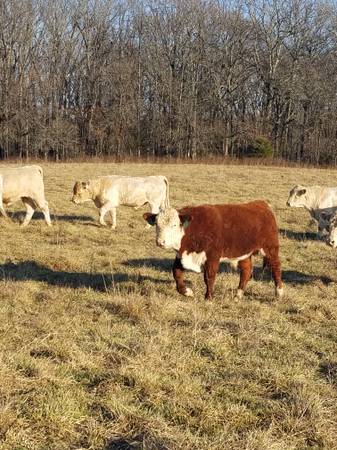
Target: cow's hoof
x=239 y=294
x=113 y=227
x=279 y=292
x=189 y=292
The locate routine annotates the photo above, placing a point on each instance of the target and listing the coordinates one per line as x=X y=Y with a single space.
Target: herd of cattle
x=202 y=236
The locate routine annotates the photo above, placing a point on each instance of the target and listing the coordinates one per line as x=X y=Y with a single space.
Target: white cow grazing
x=320 y=201
x=111 y=191
x=24 y=183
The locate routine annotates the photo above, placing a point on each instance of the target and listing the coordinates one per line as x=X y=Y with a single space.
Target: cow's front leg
x=113 y=215
x=210 y=270
x=178 y=274
x=245 y=267
x=104 y=209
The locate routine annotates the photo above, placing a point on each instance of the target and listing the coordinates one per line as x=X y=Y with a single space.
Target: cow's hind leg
x=43 y=205
x=30 y=209
x=178 y=274
x=273 y=260
x=154 y=209
x=245 y=267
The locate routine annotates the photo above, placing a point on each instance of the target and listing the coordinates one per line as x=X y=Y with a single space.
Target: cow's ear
x=301 y=192
x=184 y=220
x=150 y=218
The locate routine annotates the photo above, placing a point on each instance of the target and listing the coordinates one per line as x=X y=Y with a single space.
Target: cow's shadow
x=165 y=264
x=159 y=264
x=291 y=276
x=300 y=235
x=38 y=215
x=288 y=276
x=30 y=270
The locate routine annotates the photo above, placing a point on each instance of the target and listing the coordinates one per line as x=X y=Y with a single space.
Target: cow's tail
x=167 y=196
x=39 y=168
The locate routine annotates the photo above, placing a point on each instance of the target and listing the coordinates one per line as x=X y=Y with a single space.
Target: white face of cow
x=332 y=238
x=169 y=229
x=297 y=197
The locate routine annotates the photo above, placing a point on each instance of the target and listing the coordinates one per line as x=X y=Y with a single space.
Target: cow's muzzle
x=332 y=243
x=161 y=243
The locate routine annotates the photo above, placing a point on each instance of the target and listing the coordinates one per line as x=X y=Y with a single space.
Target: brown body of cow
x=231 y=232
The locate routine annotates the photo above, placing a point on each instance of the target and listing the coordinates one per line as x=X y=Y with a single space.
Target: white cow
x=111 y=191
x=320 y=201
x=24 y=183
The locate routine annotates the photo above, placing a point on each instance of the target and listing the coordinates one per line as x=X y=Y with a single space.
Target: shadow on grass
x=291 y=276
x=30 y=270
x=136 y=443
x=299 y=236
x=160 y=264
x=165 y=265
x=19 y=216
x=288 y=276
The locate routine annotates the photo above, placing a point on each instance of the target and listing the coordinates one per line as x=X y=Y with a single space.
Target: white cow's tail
x=167 y=197
x=39 y=168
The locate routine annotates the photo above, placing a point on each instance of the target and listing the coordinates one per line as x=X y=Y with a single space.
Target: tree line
x=173 y=78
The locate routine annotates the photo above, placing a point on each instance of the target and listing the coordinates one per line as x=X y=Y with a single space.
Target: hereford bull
x=26 y=184
x=111 y=191
x=202 y=236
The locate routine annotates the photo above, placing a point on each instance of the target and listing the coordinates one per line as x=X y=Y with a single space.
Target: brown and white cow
x=205 y=235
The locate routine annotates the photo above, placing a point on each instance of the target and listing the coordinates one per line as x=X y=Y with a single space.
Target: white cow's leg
x=45 y=210
x=104 y=209
x=113 y=214
x=43 y=205
x=154 y=209
x=2 y=209
x=30 y=208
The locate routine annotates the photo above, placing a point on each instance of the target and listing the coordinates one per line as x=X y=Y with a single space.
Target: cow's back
x=25 y=181
x=230 y=230
x=133 y=191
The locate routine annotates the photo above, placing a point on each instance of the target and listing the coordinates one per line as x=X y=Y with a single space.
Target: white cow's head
x=81 y=192
x=297 y=197
x=170 y=227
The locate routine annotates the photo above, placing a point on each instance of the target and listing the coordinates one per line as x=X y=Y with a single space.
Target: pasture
x=99 y=351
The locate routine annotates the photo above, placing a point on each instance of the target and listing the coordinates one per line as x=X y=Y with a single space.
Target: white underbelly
x=195 y=261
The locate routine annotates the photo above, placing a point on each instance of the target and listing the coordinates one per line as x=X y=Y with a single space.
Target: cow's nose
x=288 y=204
x=332 y=242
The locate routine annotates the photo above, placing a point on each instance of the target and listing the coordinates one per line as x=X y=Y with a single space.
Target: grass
x=98 y=351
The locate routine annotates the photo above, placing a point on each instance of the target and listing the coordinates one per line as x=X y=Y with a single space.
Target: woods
x=173 y=78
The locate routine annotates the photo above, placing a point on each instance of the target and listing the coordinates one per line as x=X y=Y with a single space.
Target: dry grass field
x=98 y=351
